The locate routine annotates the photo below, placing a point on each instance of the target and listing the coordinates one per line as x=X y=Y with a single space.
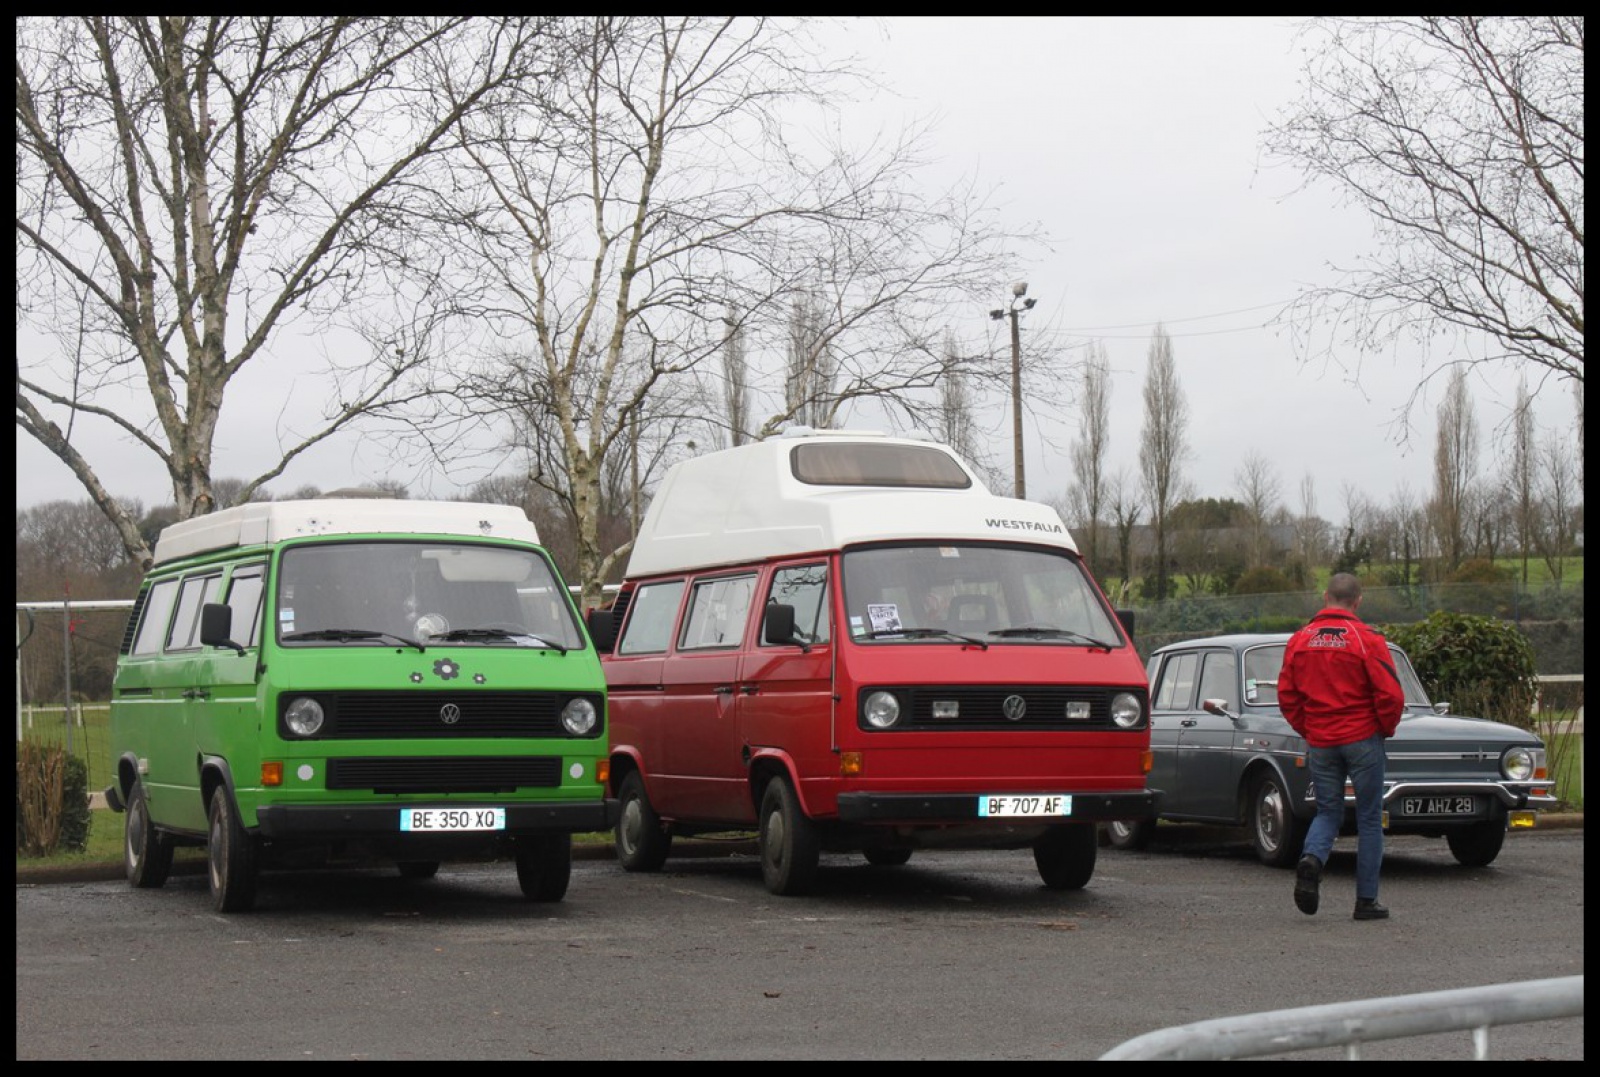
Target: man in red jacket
x=1339 y=690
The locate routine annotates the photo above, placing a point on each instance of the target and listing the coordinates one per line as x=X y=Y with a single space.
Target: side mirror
x=602 y=629
x=1219 y=707
x=777 y=626
x=216 y=626
x=1127 y=618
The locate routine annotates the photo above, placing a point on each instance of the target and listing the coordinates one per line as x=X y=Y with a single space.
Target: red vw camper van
x=843 y=641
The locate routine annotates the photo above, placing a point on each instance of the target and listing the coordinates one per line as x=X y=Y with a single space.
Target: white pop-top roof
x=745 y=504
x=266 y=522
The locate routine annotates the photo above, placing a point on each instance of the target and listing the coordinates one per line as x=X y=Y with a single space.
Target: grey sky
x=1135 y=143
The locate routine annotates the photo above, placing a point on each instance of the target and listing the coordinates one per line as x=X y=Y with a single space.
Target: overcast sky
x=1136 y=144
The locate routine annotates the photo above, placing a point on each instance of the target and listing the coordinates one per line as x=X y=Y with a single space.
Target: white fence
x=1350 y=1024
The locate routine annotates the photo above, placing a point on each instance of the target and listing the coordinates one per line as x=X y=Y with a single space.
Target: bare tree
x=1162 y=446
x=1521 y=479
x=628 y=201
x=1125 y=506
x=188 y=187
x=1455 y=467
x=1092 y=444
x=1310 y=532
x=1259 y=489
x=736 y=382
x=1462 y=137
x=954 y=422
x=1559 y=513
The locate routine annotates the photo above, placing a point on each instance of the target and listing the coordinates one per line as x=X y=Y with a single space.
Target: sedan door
x=1208 y=744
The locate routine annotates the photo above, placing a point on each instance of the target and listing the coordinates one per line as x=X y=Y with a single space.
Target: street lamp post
x=1018 y=304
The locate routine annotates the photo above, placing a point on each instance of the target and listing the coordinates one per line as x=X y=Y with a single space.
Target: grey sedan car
x=1223 y=753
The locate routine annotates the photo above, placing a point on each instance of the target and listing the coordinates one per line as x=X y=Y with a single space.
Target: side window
x=1176 y=690
x=805 y=587
x=1219 y=678
x=196 y=590
x=650 y=617
x=717 y=612
x=244 y=599
x=157 y=611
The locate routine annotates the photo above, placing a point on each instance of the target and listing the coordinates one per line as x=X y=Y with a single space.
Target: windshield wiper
x=460 y=634
x=347 y=634
x=1050 y=633
x=925 y=633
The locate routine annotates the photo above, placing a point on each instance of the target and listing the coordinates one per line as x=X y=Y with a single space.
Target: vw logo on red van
x=1014 y=708
x=449 y=714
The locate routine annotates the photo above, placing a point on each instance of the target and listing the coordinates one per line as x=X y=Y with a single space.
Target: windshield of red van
x=421 y=593
x=929 y=593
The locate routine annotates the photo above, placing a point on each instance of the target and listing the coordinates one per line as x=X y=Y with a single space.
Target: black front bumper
x=280 y=822
x=914 y=808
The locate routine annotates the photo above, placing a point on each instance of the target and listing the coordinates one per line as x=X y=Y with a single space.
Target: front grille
x=422 y=715
x=444 y=775
x=983 y=706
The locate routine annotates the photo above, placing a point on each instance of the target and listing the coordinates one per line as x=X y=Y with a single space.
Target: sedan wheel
x=1277 y=833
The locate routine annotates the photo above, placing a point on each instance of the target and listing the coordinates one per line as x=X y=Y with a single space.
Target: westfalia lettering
x=1024 y=525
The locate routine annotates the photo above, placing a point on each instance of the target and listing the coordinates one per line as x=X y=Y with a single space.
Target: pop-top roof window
x=859 y=463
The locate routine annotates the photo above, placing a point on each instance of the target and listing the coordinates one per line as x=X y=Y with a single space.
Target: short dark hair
x=1344 y=588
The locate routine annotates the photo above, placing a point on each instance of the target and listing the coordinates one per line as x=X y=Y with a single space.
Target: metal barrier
x=1350 y=1024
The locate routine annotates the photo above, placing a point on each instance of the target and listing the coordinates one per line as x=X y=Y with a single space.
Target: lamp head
x=1019 y=289
x=1027 y=304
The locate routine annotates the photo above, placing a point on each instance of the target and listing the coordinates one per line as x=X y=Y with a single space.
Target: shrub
x=1479 y=665
x=1480 y=570
x=1262 y=581
x=52 y=800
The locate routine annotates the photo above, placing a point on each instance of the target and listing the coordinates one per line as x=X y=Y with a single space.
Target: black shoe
x=1307 y=878
x=1369 y=909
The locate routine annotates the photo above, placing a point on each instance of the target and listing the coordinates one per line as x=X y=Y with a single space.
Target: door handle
x=723 y=690
x=196 y=693
x=749 y=689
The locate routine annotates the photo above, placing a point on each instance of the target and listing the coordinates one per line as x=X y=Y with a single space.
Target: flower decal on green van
x=446 y=670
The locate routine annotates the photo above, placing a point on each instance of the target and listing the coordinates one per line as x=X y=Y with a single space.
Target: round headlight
x=1517 y=764
x=303 y=716
x=579 y=716
x=881 y=710
x=1125 y=710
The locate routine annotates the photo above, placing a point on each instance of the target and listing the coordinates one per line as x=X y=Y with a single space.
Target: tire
x=642 y=844
x=1476 y=846
x=146 y=851
x=1132 y=834
x=887 y=858
x=418 y=869
x=230 y=856
x=1065 y=855
x=1276 y=832
x=791 y=848
x=544 y=866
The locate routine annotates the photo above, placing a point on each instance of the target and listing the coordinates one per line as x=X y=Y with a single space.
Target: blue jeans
x=1363 y=764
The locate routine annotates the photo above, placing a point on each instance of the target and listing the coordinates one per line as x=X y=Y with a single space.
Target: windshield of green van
x=412 y=593
x=990 y=595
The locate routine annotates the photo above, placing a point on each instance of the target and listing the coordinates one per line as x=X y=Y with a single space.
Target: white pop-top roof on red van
x=265 y=522
x=810 y=491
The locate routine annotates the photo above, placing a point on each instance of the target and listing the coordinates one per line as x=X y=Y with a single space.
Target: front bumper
x=302 y=823
x=946 y=808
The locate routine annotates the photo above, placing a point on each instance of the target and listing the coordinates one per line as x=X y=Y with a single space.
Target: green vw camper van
x=305 y=682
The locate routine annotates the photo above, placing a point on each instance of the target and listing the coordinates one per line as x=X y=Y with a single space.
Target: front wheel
x=642 y=843
x=230 y=856
x=1130 y=833
x=146 y=851
x=791 y=848
x=1275 y=831
x=1477 y=845
x=544 y=866
x=1065 y=855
